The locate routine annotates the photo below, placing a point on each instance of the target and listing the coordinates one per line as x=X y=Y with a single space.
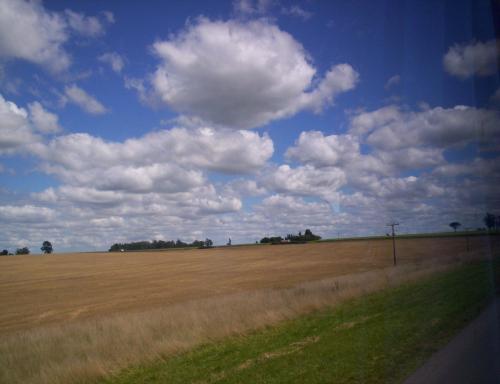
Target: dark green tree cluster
x=300 y=238
x=207 y=244
x=47 y=247
x=307 y=236
x=271 y=240
x=159 y=244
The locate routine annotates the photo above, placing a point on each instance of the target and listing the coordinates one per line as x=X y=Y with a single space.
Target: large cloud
x=305 y=180
x=163 y=173
x=318 y=150
x=313 y=147
x=476 y=58
x=43 y=120
x=206 y=148
x=292 y=213
x=153 y=185
x=30 y=32
x=88 y=202
x=18 y=126
x=394 y=141
x=14 y=126
x=242 y=75
x=25 y=214
x=395 y=166
x=393 y=128
x=138 y=179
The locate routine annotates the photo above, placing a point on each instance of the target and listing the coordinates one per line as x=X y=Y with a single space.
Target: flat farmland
x=39 y=290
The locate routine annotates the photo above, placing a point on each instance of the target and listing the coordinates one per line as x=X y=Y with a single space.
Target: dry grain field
x=38 y=290
x=79 y=317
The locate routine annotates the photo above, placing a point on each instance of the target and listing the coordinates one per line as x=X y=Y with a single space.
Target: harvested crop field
x=60 y=288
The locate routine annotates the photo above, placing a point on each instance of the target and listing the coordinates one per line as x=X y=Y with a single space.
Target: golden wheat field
x=59 y=288
x=78 y=318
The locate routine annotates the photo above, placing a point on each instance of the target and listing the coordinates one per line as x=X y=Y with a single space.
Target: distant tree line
x=159 y=244
x=46 y=248
x=271 y=240
x=290 y=238
x=19 y=251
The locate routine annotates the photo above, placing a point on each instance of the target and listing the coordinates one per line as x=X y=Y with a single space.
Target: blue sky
x=121 y=121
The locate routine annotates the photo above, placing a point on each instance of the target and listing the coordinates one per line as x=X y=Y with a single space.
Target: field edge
x=211 y=362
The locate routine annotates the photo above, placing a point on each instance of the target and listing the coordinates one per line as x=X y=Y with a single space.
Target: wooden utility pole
x=392 y=225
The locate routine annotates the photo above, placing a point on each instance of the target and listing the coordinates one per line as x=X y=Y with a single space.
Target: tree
x=47 y=247
x=23 y=251
x=455 y=225
x=489 y=220
x=4 y=252
x=309 y=236
x=209 y=243
x=180 y=244
x=272 y=240
x=276 y=239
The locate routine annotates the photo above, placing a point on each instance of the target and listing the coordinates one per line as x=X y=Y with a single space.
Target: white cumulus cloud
x=313 y=147
x=30 y=32
x=114 y=60
x=393 y=128
x=242 y=74
x=223 y=151
x=476 y=58
x=81 y=98
x=20 y=128
x=15 y=130
x=43 y=120
x=25 y=213
x=305 y=180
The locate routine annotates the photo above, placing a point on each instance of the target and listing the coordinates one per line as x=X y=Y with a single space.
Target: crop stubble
x=60 y=288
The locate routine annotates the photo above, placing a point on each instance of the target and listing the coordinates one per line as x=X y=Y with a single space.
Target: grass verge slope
x=379 y=338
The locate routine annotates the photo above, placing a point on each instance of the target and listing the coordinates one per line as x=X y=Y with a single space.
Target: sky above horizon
x=128 y=121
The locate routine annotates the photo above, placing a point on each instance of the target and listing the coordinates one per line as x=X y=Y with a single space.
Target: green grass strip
x=379 y=338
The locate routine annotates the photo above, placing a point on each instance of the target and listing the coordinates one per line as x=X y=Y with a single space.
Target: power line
x=392 y=225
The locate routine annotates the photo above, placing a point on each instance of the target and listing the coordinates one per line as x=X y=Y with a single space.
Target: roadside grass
x=378 y=338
